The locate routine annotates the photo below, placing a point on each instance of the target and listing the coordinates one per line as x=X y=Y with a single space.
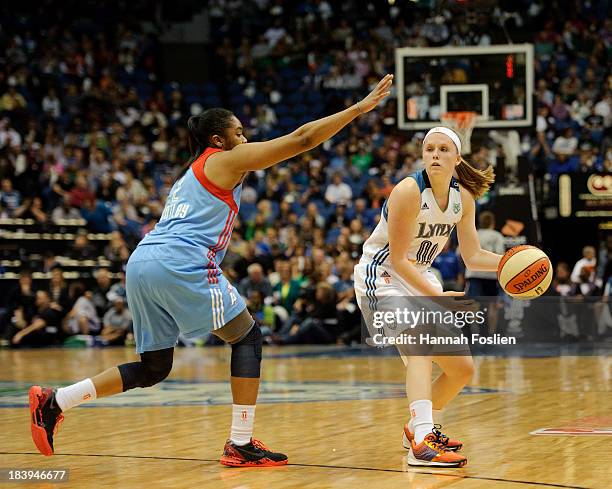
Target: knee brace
x=246 y=355
x=154 y=366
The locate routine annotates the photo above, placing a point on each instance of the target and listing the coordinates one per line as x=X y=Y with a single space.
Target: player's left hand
x=382 y=90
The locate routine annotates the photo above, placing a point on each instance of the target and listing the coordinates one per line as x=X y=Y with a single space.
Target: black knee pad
x=246 y=355
x=154 y=366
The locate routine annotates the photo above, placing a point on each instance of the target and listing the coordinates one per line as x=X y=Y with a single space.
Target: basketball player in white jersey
x=415 y=224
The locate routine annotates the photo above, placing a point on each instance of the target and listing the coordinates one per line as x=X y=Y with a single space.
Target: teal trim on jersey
x=422 y=180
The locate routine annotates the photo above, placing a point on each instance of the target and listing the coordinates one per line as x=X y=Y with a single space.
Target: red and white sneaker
x=449 y=443
x=45 y=418
x=430 y=452
x=253 y=454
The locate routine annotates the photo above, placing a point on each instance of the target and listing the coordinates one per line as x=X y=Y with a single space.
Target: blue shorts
x=172 y=297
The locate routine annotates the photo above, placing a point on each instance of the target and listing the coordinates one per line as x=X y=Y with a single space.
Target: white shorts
x=375 y=288
x=380 y=281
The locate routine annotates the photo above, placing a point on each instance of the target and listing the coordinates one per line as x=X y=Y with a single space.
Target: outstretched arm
x=257 y=156
x=474 y=257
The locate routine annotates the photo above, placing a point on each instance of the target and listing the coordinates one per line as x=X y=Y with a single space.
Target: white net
x=463 y=124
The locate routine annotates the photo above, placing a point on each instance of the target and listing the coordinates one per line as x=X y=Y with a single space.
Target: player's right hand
x=453 y=303
x=382 y=90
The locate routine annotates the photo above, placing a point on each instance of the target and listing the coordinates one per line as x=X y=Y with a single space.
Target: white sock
x=75 y=394
x=421 y=417
x=436 y=413
x=243 y=417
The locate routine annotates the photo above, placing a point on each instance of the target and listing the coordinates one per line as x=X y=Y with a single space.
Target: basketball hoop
x=463 y=124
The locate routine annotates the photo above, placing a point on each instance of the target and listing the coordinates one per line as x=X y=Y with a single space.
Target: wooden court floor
x=338 y=416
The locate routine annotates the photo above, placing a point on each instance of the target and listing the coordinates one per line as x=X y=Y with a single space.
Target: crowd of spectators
x=72 y=313
x=90 y=129
x=574 y=98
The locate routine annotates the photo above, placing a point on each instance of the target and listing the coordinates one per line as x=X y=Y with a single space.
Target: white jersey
x=434 y=227
x=379 y=288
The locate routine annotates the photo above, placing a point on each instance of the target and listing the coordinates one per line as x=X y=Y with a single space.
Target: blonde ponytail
x=476 y=182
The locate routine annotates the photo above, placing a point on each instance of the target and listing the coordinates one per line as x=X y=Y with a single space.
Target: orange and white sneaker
x=253 y=454
x=449 y=443
x=430 y=452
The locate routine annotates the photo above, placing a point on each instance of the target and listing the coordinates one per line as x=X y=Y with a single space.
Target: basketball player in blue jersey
x=416 y=223
x=175 y=284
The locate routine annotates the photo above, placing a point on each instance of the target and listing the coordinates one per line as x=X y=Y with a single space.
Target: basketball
x=525 y=272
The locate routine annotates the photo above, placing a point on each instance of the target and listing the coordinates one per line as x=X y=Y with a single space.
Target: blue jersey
x=197 y=221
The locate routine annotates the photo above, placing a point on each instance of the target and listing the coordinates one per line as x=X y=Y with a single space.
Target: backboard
x=496 y=82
